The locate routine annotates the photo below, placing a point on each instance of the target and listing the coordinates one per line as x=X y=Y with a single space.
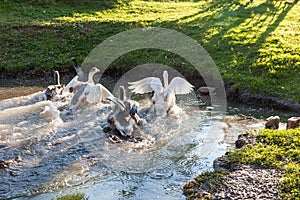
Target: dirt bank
x=244 y=96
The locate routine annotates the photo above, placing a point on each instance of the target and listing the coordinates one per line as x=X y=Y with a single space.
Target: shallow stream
x=50 y=153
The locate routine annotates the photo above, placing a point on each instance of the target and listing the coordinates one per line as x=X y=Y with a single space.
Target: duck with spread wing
x=164 y=99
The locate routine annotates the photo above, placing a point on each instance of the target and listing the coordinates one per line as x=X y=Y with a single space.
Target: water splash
x=44 y=151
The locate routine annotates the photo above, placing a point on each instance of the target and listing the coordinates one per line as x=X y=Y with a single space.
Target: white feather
x=164 y=96
x=179 y=86
x=88 y=92
x=104 y=92
x=146 y=85
x=58 y=77
x=72 y=84
x=118 y=103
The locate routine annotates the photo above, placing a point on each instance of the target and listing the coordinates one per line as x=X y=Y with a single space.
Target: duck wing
x=179 y=86
x=78 y=69
x=72 y=84
x=117 y=102
x=122 y=95
x=96 y=93
x=92 y=93
x=78 y=93
x=104 y=92
x=146 y=85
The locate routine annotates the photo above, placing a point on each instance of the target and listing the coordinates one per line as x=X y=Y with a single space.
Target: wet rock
x=223 y=163
x=5 y=164
x=205 y=90
x=115 y=139
x=272 y=122
x=245 y=138
x=206 y=195
x=203 y=94
x=246 y=117
x=18 y=158
x=293 y=122
x=244 y=96
x=240 y=143
x=136 y=139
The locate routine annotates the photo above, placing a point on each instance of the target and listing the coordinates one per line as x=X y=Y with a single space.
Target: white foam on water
x=22 y=101
x=64 y=149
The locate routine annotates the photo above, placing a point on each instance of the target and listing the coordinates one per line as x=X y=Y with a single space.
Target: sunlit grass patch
x=77 y=196
x=273 y=149
x=138 y=11
x=276 y=148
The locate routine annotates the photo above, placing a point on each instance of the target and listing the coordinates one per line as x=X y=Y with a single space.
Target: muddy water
x=46 y=153
x=10 y=92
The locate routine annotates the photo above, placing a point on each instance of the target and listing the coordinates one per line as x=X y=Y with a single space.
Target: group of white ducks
x=124 y=116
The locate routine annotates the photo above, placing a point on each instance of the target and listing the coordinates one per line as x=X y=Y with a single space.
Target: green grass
x=255 y=45
x=207 y=181
x=78 y=196
x=276 y=148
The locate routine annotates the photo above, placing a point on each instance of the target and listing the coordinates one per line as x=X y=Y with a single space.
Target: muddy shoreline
x=244 y=96
x=41 y=79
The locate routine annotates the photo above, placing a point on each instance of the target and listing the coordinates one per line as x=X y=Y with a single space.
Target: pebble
x=249 y=182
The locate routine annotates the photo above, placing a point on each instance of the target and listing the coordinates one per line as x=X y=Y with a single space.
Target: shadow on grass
x=233 y=33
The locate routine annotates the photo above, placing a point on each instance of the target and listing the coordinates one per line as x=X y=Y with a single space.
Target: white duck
x=164 y=99
x=91 y=92
x=124 y=117
x=75 y=84
x=85 y=93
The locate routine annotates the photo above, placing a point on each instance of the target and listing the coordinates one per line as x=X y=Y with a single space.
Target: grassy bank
x=255 y=45
x=274 y=149
x=279 y=149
